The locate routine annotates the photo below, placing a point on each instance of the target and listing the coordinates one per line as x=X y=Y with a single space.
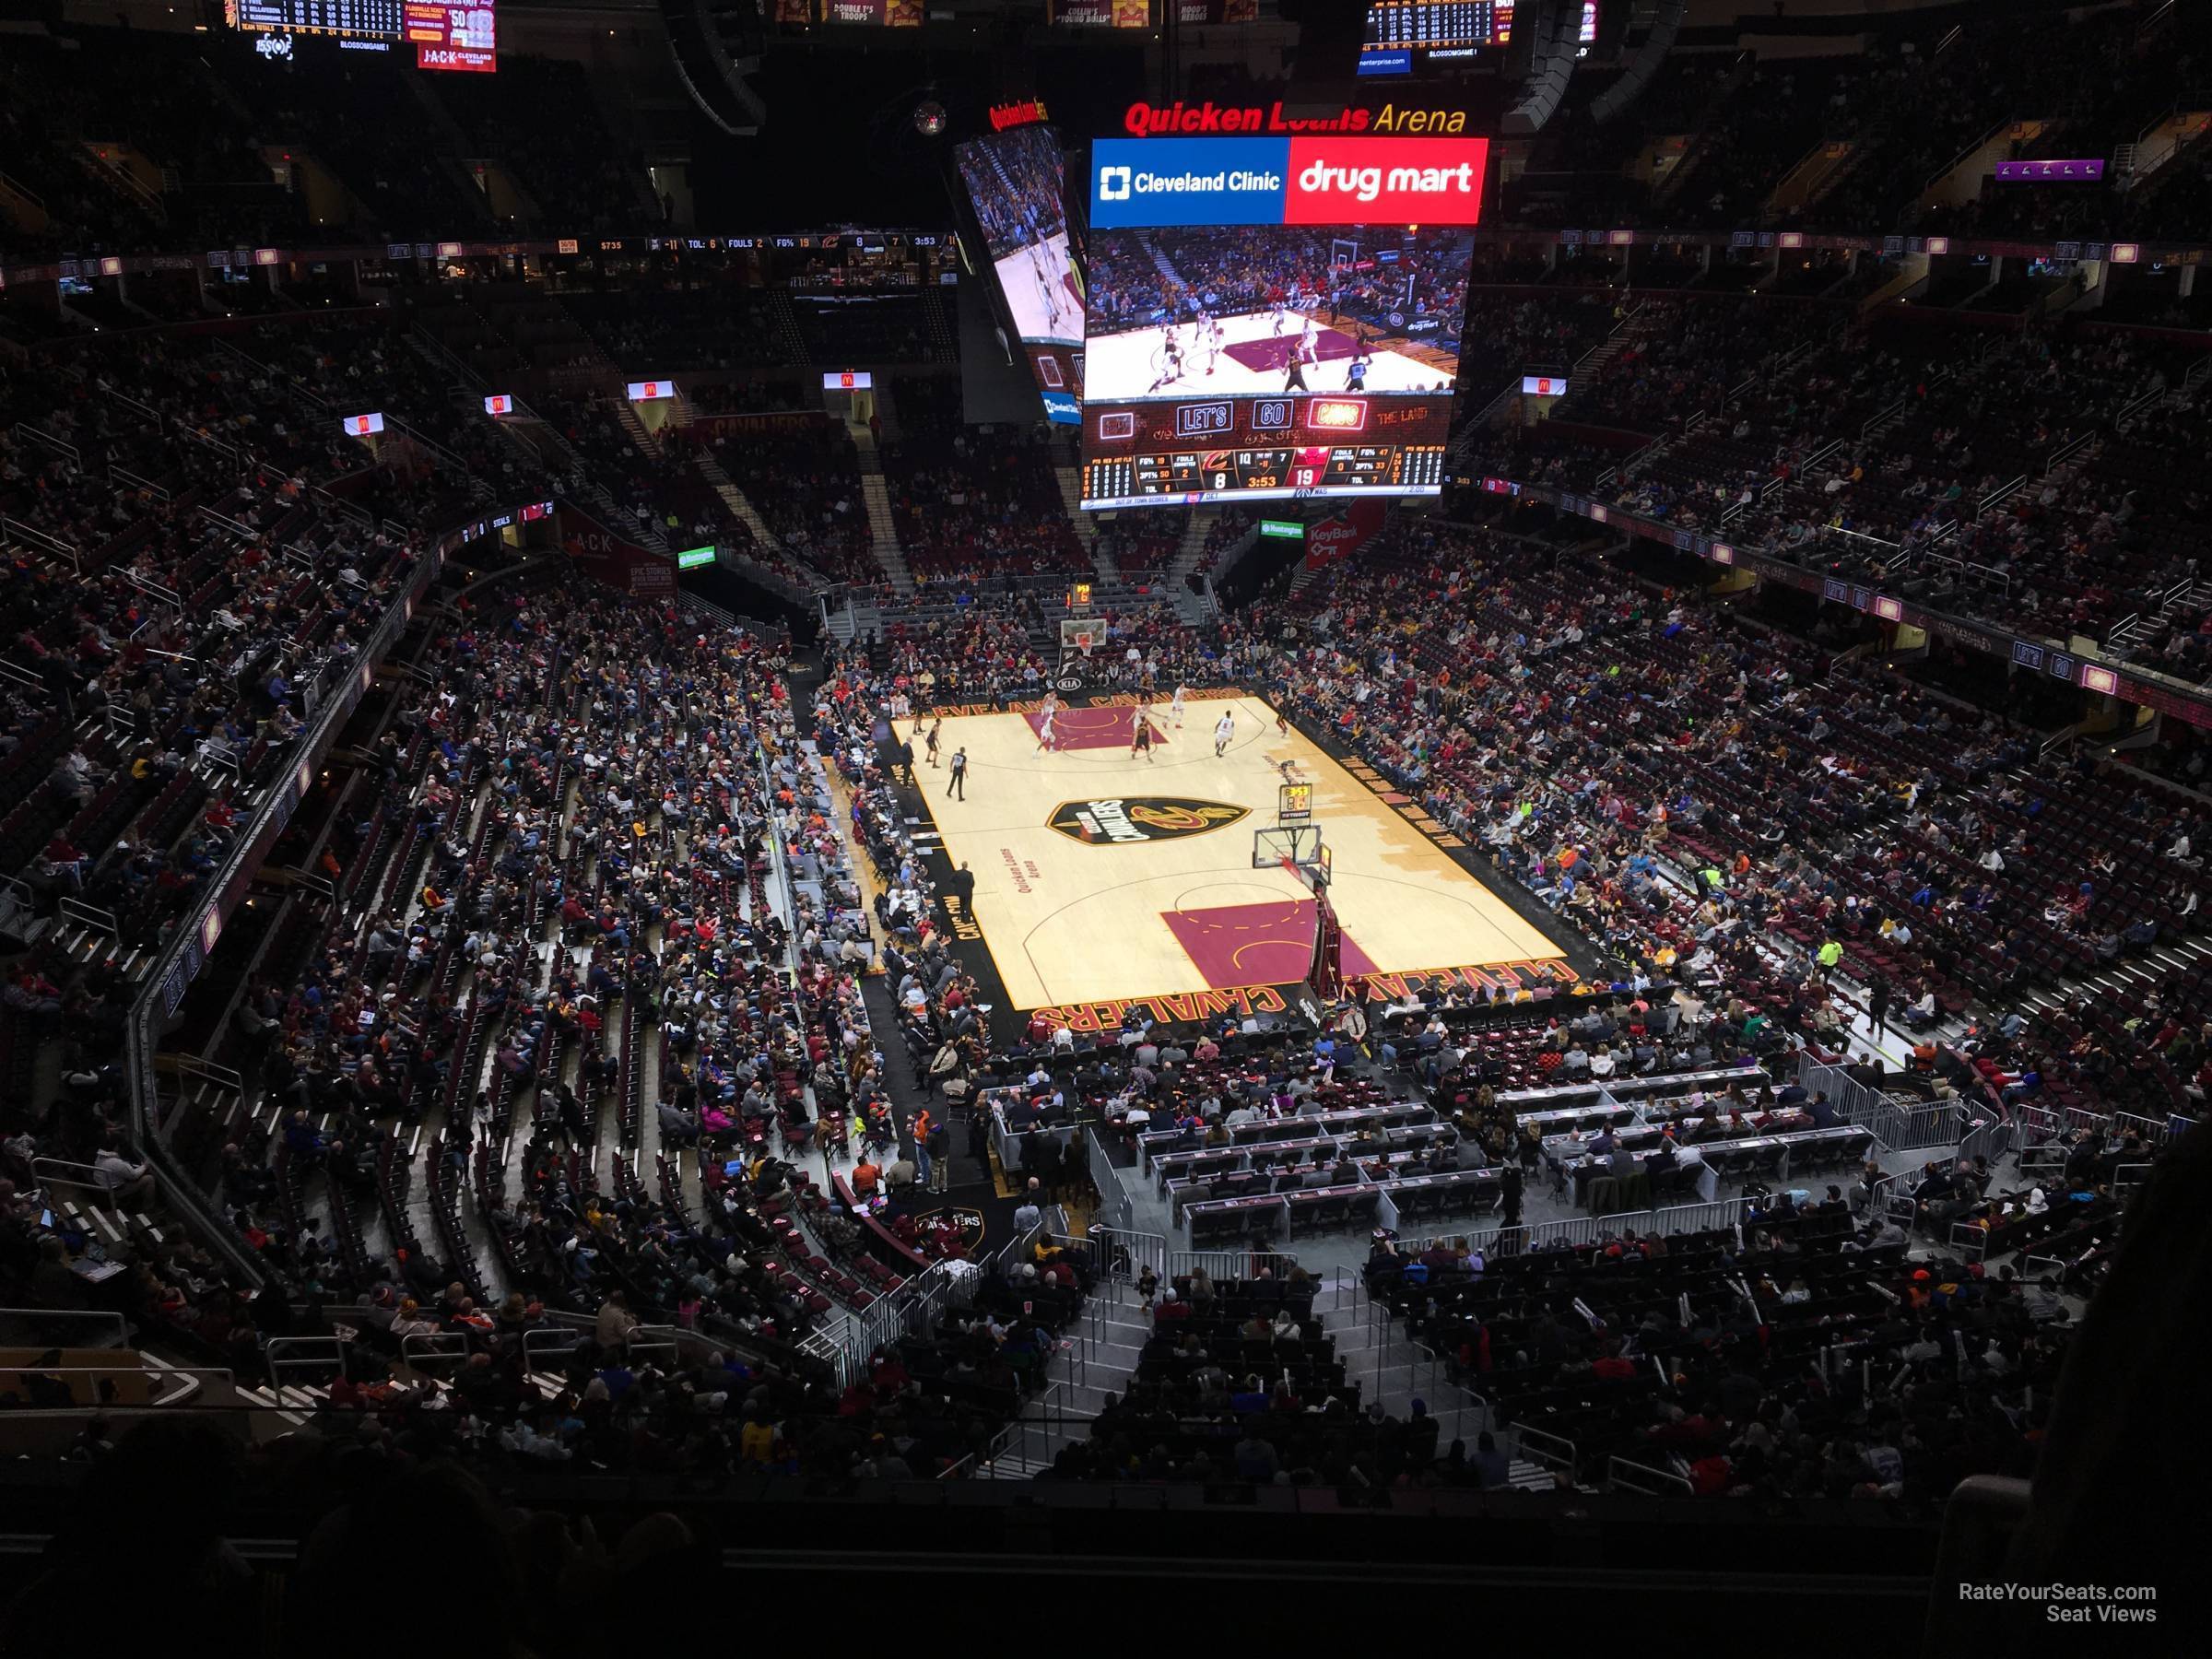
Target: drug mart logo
x=1130 y=819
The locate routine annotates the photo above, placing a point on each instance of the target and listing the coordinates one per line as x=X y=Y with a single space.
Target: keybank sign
x=1311 y=180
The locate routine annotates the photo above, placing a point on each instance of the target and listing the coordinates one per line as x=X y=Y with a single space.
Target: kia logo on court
x=1141 y=818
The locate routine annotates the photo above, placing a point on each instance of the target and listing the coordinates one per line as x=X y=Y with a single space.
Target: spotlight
x=929 y=118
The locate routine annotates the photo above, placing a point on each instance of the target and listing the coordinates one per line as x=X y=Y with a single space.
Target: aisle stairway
x=734 y=499
x=876 y=496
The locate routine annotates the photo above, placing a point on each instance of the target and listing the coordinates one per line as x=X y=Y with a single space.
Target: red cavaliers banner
x=607 y=556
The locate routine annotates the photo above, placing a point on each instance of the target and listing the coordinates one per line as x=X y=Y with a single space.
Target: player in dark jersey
x=1140 y=740
x=1170 y=361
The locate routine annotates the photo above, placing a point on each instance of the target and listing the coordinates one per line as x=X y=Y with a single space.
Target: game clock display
x=1158 y=454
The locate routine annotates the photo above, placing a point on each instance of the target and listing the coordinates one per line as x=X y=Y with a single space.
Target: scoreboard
x=1402 y=35
x=360 y=19
x=446 y=34
x=1152 y=479
x=1257 y=449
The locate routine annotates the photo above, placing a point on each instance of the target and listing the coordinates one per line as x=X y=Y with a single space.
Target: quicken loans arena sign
x=1198 y=119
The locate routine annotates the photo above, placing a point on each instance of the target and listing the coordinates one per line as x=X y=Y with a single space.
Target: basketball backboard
x=1272 y=843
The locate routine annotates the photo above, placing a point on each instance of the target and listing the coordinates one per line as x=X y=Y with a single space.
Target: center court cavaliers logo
x=1141 y=818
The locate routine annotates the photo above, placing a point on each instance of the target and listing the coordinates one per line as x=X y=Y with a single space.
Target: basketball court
x=1252 y=359
x=1040 y=285
x=1104 y=878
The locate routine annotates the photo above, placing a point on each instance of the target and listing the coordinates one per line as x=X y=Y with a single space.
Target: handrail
x=51 y=545
x=1564 y=1458
x=433 y=1348
x=89 y=916
x=60 y=446
x=137 y=481
x=1664 y=1478
x=100 y=1316
x=40 y=1165
x=1139 y=1251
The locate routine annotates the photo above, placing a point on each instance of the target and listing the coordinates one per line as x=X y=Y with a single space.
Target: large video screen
x=1403 y=35
x=446 y=34
x=1016 y=181
x=1254 y=334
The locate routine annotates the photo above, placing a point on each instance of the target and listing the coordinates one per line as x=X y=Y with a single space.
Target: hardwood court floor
x=1148 y=888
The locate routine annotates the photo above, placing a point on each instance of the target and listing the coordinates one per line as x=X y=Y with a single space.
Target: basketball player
x=1355 y=373
x=1140 y=740
x=1175 y=705
x=1044 y=731
x=1046 y=287
x=1209 y=335
x=1307 y=350
x=1277 y=323
x=1225 y=728
x=937 y=726
x=1172 y=361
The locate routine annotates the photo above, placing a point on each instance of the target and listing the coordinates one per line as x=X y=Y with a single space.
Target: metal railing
x=1555 y=1452
x=1115 y=1203
x=1671 y=1221
x=1622 y=1474
x=1029 y=1437
x=285 y=1354
x=42 y=1171
x=38 y=540
x=104 y=1320
x=1123 y=1253
x=420 y=1349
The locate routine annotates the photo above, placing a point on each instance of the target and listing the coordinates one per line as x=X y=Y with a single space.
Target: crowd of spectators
x=663 y=331
x=1015 y=183
x=972 y=502
x=804 y=484
x=1584 y=730
x=2012 y=477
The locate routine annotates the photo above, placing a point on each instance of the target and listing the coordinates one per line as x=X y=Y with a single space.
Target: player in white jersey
x=1044 y=734
x=1225 y=728
x=1175 y=706
x=1279 y=320
x=1048 y=288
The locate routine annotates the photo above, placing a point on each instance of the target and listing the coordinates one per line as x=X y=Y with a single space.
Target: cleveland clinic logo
x=1113 y=183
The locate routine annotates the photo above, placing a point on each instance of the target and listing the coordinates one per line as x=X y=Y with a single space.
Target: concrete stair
x=876 y=496
x=734 y=499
